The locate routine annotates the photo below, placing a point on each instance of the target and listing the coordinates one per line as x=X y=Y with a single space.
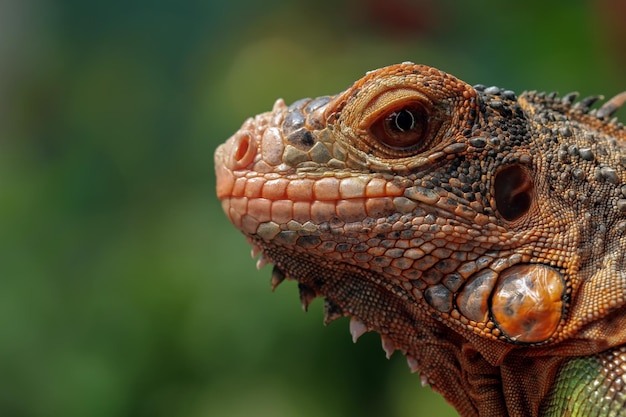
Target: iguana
x=481 y=233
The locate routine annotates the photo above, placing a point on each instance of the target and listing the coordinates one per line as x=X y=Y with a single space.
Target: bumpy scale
x=478 y=232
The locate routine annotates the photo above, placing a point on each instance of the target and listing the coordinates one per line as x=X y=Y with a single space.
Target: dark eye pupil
x=404 y=120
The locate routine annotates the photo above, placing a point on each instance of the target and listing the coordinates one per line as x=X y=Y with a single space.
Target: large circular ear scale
x=527 y=302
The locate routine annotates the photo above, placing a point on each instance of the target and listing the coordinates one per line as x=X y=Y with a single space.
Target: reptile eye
x=403 y=128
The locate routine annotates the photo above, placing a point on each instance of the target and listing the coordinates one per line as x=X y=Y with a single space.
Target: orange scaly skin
x=480 y=233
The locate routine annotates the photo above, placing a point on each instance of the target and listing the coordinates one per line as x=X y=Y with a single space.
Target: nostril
x=244 y=150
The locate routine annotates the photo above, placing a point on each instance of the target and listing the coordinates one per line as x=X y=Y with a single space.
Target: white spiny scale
x=262 y=261
x=255 y=250
x=388 y=345
x=424 y=380
x=357 y=328
x=412 y=362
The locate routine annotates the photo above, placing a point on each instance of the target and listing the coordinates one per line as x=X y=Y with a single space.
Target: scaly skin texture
x=480 y=233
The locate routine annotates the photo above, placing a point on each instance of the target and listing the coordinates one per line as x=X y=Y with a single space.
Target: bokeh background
x=124 y=291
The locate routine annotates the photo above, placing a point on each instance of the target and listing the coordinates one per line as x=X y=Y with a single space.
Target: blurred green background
x=124 y=291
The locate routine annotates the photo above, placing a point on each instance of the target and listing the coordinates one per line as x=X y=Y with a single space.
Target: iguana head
x=473 y=229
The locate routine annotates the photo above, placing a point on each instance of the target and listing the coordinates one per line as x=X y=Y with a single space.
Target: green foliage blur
x=124 y=291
